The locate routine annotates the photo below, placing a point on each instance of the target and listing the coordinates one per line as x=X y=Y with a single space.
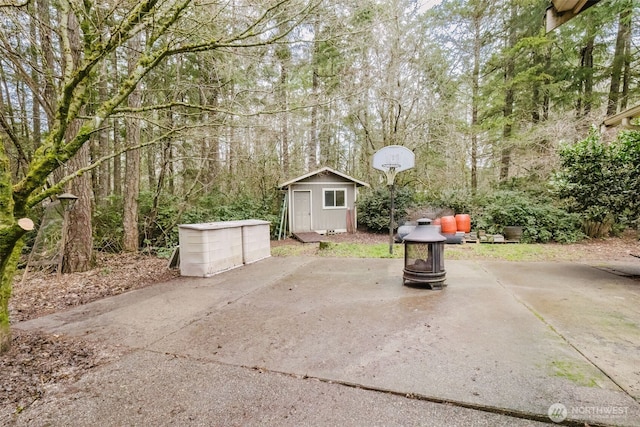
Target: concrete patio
x=339 y=341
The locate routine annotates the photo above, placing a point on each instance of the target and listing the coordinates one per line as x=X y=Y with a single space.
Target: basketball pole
x=391 y=182
x=392 y=190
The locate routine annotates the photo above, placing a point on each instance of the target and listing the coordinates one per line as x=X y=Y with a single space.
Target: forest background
x=159 y=113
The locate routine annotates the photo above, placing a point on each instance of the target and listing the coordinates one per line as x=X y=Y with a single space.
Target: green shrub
x=374 y=206
x=601 y=181
x=162 y=231
x=541 y=220
x=159 y=229
x=459 y=201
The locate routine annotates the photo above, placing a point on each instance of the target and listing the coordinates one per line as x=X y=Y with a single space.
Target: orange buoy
x=448 y=225
x=463 y=222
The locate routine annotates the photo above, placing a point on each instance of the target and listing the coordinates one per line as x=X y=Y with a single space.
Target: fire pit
x=424 y=256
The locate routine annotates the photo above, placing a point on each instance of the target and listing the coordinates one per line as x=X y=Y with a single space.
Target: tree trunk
x=151 y=167
x=535 y=99
x=10 y=247
x=211 y=141
x=102 y=181
x=48 y=59
x=8 y=263
x=117 y=160
x=78 y=251
x=312 y=149
x=586 y=64
x=159 y=185
x=132 y=182
x=167 y=172
x=131 y=192
x=11 y=233
x=507 y=112
x=619 y=60
x=78 y=248
x=233 y=148
x=505 y=155
x=546 y=98
x=475 y=100
x=36 y=134
x=626 y=74
x=284 y=119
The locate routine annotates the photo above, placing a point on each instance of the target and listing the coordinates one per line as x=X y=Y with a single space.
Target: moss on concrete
x=578 y=373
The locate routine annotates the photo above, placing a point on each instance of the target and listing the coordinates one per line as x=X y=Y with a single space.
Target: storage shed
x=323 y=201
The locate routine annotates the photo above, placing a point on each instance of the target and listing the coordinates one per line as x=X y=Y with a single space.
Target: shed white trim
x=324 y=169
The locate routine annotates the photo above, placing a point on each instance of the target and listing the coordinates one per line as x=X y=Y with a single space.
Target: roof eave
x=324 y=169
x=560 y=11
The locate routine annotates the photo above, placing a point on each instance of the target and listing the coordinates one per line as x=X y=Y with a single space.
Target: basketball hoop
x=394 y=158
x=391 y=160
x=390 y=170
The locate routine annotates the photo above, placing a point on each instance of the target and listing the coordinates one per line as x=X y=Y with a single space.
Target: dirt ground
x=38 y=362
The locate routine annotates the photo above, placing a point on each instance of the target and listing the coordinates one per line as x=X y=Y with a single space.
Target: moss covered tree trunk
x=10 y=246
x=7 y=270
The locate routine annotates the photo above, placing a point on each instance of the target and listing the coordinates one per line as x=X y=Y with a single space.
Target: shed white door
x=301 y=211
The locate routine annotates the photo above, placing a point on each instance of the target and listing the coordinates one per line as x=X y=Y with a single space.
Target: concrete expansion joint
x=560 y=335
x=574 y=347
x=523 y=415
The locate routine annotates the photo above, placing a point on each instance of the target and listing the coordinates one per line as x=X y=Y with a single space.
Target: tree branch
x=59 y=186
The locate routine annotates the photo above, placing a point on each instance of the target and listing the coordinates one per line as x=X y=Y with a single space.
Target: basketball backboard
x=394 y=156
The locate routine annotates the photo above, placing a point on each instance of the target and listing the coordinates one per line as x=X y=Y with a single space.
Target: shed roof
x=324 y=169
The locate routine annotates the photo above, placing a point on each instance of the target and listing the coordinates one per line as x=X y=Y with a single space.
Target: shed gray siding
x=322 y=219
x=328 y=219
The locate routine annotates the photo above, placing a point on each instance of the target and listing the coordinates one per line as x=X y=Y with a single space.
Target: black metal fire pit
x=424 y=256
